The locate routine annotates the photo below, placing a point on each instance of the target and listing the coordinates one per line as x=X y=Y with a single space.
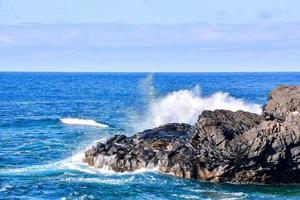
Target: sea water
x=47 y=120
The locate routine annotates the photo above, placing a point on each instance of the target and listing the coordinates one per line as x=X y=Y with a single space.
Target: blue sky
x=149 y=35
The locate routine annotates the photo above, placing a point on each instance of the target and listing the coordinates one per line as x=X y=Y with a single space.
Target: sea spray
x=149 y=95
x=140 y=119
x=184 y=106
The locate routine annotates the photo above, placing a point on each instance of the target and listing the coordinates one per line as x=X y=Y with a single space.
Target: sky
x=149 y=35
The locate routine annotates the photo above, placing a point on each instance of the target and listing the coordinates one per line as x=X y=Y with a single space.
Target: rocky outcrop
x=143 y=150
x=223 y=146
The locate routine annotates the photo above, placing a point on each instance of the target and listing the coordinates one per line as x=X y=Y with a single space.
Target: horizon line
x=17 y=71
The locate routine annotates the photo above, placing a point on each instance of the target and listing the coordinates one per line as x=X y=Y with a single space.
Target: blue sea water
x=40 y=156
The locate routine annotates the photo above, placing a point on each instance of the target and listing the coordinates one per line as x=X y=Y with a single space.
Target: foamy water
x=74 y=163
x=84 y=122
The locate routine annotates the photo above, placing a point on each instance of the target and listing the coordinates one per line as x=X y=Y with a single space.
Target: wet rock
x=223 y=146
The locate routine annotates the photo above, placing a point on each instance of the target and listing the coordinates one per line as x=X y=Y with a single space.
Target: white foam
x=74 y=163
x=224 y=195
x=85 y=122
x=185 y=196
x=101 y=180
x=5 y=188
x=184 y=106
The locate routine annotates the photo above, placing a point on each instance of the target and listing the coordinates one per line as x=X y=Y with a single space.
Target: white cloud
x=6 y=40
x=69 y=34
x=154 y=36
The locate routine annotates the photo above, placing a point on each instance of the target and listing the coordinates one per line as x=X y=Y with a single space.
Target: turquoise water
x=40 y=155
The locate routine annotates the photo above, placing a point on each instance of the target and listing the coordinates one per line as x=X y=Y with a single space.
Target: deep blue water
x=40 y=155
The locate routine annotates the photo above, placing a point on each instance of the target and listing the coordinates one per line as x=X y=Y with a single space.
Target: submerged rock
x=223 y=146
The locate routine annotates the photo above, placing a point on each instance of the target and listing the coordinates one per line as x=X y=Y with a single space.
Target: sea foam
x=72 y=163
x=185 y=106
x=85 y=122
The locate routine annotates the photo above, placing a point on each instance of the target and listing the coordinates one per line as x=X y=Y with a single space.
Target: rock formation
x=223 y=146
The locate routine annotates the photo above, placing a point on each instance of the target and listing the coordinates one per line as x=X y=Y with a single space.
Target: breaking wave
x=73 y=163
x=184 y=106
x=85 y=122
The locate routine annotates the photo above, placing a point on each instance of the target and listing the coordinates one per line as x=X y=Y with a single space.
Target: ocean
x=47 y=120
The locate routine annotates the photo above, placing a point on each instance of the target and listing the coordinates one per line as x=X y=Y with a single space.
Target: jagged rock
x=222 y=146
x=281 y=102
x=143 y=150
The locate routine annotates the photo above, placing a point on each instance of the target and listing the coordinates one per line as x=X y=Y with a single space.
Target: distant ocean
x=47 y=120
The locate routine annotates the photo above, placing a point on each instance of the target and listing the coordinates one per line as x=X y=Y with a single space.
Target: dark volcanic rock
x=143 y=150
x=222 y=146
x=282 y=101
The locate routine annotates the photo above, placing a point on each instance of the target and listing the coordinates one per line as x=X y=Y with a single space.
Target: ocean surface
x=47 y=120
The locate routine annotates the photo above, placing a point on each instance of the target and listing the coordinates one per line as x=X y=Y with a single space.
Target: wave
x=73 y=163
x=184 y=106
x=85 y=122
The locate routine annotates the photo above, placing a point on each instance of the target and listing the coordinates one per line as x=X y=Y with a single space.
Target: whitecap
x=5 y=188
x=85 y=122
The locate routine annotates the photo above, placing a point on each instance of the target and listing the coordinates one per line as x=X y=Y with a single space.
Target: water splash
x=185 y=106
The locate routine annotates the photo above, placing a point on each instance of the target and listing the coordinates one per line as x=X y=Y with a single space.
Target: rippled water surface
x=47 y=120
